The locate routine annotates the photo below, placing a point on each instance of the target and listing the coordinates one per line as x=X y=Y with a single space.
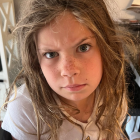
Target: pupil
x=83 y=48
x=51 y=54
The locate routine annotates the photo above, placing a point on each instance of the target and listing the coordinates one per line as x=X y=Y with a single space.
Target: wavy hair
x=112 y=103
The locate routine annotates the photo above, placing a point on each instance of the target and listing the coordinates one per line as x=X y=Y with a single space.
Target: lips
x=75 y=87
x=72 y=86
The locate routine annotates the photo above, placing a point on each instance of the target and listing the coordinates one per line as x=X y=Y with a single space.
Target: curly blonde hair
x=112 y=103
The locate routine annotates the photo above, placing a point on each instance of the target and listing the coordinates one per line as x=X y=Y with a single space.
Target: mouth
x=75 y=87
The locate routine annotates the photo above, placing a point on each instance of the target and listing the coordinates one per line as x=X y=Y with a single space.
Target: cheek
x=51 y=76
x=93 y=68
x=50 y=72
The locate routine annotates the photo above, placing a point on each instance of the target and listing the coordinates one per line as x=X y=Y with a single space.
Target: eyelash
x=56 y=54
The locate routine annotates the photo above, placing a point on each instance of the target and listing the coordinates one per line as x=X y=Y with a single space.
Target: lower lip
x=77 y=88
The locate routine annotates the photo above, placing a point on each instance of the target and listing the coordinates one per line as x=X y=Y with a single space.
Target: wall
x=126 y=14
x=17 y=4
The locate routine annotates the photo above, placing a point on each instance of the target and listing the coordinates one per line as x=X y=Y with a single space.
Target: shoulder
x=20 y=118
x=22 y=92
x=21 y=105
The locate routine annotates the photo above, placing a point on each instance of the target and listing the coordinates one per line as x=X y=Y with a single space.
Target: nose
x=69 y=68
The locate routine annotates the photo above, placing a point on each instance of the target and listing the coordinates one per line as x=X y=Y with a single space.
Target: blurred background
x=126 y=14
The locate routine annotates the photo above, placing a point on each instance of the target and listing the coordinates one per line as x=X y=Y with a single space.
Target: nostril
x=69 y=74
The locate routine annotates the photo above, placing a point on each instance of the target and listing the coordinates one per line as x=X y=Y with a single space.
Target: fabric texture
x=21 y=122
x=134 y=135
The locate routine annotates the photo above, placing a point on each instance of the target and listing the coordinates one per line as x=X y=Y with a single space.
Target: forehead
x=64 y=28
x=65 y=20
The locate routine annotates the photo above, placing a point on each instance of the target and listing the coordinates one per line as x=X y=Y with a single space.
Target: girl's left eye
x=84 y=48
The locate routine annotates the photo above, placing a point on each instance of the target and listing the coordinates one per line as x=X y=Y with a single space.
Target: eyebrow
x=77 y=44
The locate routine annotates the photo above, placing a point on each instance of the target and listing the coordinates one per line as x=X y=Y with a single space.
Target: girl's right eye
x=50 y=55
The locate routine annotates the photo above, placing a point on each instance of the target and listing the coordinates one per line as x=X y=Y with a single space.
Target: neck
x=85 y=107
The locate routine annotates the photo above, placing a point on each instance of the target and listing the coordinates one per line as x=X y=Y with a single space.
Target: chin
x=77 y=98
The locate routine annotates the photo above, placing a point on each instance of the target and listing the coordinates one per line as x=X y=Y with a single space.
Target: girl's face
x=70 y=58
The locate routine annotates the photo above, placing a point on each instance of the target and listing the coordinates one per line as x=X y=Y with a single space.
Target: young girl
x=73 y=73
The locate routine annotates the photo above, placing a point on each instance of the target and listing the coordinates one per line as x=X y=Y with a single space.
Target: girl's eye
x=50 y=55
x=84 y=48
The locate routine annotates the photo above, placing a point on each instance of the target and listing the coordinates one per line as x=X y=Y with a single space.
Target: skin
x=65 y=36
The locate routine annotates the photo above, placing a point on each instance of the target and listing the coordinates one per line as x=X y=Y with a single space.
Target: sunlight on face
x=69 y=55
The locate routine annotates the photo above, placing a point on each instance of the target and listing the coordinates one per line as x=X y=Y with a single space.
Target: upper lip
x=73 y=85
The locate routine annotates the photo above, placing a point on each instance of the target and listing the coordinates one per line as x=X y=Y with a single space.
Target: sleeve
x=134 y=135
x=20 y=119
